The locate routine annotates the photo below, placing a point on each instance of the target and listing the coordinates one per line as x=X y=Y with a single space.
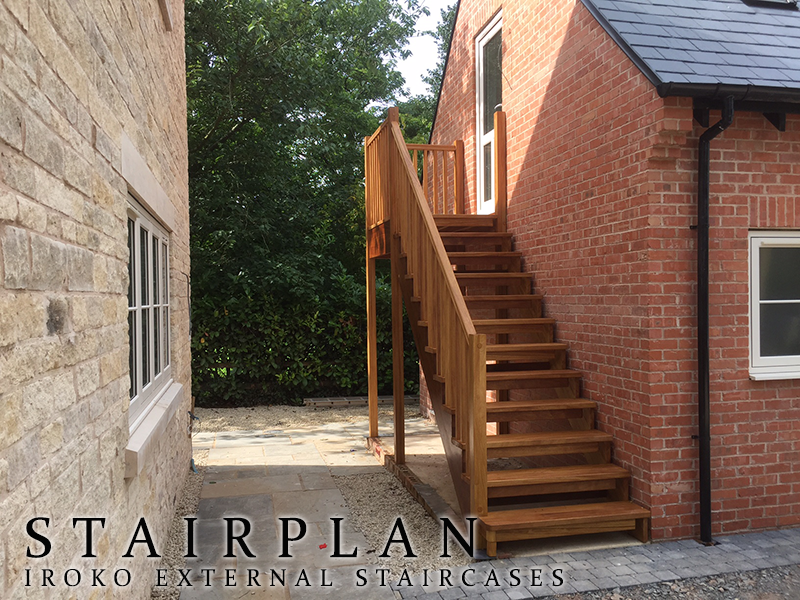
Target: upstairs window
x=148 y=310
x=775 y=305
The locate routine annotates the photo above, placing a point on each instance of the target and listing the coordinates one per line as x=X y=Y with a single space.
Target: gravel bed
x=172 y=558
x=769 y=584
x=375 y=501
x=285 y=417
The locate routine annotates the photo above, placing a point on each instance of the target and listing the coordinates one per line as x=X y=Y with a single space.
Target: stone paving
x=264 y=476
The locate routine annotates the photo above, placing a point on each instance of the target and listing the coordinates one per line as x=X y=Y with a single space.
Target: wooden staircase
x=521 y=442
x=540 y=396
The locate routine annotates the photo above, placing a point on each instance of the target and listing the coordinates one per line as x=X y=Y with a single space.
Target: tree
x=416 y=113
x=278 y=105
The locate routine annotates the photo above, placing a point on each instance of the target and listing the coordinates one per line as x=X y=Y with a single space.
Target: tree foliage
x=278 y=105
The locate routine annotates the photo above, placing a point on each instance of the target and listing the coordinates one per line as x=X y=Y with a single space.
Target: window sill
x=144 y=439
x=774 y=375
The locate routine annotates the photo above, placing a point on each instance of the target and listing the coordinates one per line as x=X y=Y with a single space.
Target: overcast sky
x=423 y=48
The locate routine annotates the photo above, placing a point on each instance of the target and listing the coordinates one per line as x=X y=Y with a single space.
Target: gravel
x=172 y=558
x=376 y=500
x=284 y=417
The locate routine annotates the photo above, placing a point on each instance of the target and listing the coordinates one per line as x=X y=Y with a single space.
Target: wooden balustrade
x=394 y=192
x=440 y=170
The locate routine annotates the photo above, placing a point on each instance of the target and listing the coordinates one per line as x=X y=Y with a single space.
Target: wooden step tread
x=551 y=475
x=496 y=376
x=547 y=438
x=464 y=218
x=485 y=254
x=554 y=516
x=514 y=322
x=475 y=234
x=492 y=275
x=522 y=349
x=509 y=406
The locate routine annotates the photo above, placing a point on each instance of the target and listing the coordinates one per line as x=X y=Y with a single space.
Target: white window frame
x=159 y=366
x=485 y=205
x=767 y=367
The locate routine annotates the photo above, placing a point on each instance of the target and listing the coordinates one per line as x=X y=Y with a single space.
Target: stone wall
x=76 y=77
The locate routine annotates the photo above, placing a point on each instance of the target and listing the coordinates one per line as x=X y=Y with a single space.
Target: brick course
x=602 y=194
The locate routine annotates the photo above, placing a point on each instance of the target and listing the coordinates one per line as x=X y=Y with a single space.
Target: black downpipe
x=703 y=375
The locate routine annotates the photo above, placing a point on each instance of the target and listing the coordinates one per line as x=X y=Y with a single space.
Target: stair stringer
x=436 y=390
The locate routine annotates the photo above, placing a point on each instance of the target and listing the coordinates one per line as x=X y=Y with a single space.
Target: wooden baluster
x=459 y=169
x=425 y=175
x=435 y=183
x=479 y=502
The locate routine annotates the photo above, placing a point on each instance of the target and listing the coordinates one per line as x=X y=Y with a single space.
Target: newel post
x=500 y=170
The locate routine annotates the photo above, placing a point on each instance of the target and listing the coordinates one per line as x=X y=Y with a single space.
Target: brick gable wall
x=602 y=191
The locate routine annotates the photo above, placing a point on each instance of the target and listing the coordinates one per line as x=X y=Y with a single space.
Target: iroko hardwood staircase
x=521 y=444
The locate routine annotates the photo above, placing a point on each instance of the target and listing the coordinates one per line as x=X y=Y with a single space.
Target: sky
x=423 y=48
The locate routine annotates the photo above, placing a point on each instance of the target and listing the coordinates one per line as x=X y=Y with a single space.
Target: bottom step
x=559 y=521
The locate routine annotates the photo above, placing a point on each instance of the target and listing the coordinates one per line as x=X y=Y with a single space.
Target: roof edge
x=444 y=72
x=629 y=52
x=716 y=91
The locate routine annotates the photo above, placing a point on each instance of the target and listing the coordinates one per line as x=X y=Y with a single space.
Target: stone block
x=80 y=264
x=51 y=438
x=23 y=458
x=52 y=192
x=11 y=123
x=3 y=481
x=19 y=8
x=21 y=317
x=16 y=258
x=18 y=171
x=26 y=56
x=32 y=216
x=87 y=378
x=8 y=205
x=44 y=147
x=39 y=481
x=48 y=264
x=11 y=427
x=43 y=398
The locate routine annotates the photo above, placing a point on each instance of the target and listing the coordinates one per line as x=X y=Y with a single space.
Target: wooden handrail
x=392 y=178
x=441 y=176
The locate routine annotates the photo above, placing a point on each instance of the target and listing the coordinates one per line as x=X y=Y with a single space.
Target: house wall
x=76 y=78
x=602 y=192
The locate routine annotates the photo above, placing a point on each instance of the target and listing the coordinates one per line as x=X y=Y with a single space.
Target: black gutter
x=703 y=366
x=720 y=91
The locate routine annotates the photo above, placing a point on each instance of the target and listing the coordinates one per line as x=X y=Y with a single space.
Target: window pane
x=488 y=191
x=132 y=350
x=163 y=274
x=780 y=329
x=145 y=346
x=492 y=80
x=131 y=262
x=145 y=285
x=780 y=273
x=155 y=270
x=156 y=341
x=165 y=318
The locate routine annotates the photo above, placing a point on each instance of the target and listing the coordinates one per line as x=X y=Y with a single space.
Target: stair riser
x=487 y=264
x=562 y=530
x=549 y=450
x=543 y=332
x=515 y=285
x=529 y=357
x=536 y=415
x=551 y=488
x=530 y=384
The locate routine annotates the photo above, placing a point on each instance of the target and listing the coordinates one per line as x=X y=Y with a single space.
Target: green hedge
x=261 y=350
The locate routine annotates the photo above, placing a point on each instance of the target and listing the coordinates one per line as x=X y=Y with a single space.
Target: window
x=775 y=305
x=148 y=310
x=489 y=84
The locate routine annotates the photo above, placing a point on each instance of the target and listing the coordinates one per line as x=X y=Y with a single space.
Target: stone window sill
x=143 y=440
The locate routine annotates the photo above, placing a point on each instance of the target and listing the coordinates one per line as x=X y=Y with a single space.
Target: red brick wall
x=602 y=191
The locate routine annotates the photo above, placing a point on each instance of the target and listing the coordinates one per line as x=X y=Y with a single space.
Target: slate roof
x=706 y=41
